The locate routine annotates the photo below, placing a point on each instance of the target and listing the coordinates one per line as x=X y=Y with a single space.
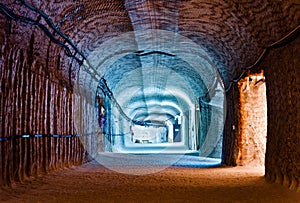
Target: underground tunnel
x=143 y=86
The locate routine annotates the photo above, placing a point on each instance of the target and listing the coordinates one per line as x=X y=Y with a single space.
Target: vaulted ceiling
x=161 y=56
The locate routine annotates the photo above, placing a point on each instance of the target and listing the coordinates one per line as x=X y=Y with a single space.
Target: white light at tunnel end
x=143 y=163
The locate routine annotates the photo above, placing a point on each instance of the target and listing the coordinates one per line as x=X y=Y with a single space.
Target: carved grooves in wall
x=32 y=105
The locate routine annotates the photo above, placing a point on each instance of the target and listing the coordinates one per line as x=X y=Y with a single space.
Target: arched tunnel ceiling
x=153 y=62
x=157 y=73
x=232 y=32
x=231 y=35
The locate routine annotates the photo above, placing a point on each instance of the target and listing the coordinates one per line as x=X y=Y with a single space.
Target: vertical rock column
x=230 y=134
x=282 y=74
x=253 y=120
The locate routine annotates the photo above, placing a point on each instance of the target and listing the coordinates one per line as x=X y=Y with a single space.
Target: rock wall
x=253 y=120
x=230 y=134
x=283 y=100
x=38 y=132
x=86 y=121
x=210 y=131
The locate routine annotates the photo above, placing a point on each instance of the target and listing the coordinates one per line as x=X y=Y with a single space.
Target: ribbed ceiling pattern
x=230 y=35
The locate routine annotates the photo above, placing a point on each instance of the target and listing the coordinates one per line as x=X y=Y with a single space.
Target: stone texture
x=36 y=101
x=230 y=133
x=253 y=120
x=232 y=32
x=283 y=99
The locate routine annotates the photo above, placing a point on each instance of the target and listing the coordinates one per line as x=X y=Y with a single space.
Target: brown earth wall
x=283 y=100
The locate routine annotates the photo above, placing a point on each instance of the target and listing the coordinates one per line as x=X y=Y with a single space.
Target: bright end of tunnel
x=158 y=80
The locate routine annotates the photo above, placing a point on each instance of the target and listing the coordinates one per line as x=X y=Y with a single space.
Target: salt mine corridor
x=149 y=101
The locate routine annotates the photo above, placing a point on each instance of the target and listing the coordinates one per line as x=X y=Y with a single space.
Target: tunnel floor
x=183 y=182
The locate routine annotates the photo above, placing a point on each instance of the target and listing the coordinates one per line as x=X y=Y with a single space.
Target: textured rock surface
x=230 y=134
x=37 y=100
x=253 y=121
x=283 y=100
x=34 y=104
x=232 y=32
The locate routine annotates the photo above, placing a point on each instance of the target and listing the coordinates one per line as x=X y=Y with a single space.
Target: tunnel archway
x=153 y=80
x=233 y=34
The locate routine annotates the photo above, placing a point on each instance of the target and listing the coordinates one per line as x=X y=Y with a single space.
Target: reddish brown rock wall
x=283 y=100
x=37 y=116
x=33 y=105
x=253 y=120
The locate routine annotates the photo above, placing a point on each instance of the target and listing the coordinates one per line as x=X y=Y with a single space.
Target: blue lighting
x=191 y=161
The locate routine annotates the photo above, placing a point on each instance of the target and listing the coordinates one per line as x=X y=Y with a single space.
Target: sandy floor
x=94 y=183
